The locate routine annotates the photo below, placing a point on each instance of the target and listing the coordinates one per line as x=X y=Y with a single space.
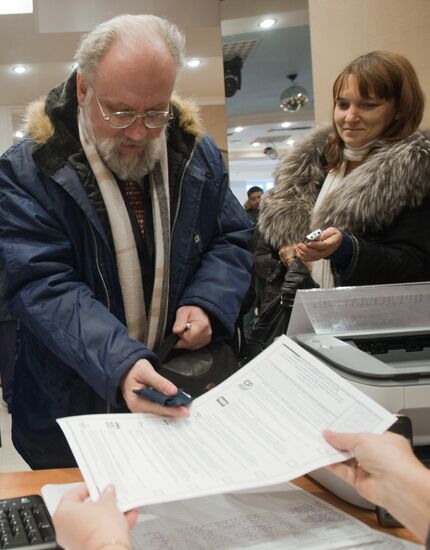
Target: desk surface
x=26 y=483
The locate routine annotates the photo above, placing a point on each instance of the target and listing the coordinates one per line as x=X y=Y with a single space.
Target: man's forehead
x=126 y=75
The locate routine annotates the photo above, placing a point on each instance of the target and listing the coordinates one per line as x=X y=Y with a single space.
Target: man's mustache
x=127 y=141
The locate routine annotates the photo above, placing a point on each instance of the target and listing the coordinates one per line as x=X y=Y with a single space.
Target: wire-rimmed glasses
x=124 y=119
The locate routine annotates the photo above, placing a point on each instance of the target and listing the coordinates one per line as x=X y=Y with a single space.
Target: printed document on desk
x=275 y=518
x=260 y=427
x=281 y=517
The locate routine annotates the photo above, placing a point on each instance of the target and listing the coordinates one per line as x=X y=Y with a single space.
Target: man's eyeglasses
x=124 y=119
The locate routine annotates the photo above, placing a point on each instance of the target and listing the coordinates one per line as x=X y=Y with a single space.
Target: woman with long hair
x=365 y=181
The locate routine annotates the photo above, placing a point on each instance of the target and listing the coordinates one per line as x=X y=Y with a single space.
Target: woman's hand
x=316 y=250
x=376 y=458
x=386 y=472
x=287 y=253
x=81 y=524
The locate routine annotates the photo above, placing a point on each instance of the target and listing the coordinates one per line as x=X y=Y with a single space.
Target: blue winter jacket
x=62 y=278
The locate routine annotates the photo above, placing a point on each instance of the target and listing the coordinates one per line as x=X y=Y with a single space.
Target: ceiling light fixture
x=238 y=129
x=294 y=97
x=20 y=69
x=193 y=63
x=267 y=23
x=290 y=141
x=286 y=124
x=256 y=144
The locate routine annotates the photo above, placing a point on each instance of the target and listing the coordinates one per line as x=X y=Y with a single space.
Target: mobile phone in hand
x=314 y=236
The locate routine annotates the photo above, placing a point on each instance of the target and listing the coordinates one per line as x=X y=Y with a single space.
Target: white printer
x=377 y=337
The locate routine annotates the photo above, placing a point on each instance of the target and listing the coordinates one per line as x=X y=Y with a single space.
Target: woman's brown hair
x=384 y=75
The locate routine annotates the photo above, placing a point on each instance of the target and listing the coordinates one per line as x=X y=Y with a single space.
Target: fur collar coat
x=384 y=202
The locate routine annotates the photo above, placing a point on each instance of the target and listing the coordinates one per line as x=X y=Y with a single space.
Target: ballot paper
x=274 y=518
x=260 y=427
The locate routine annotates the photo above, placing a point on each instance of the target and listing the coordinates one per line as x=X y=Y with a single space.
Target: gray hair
x=130 y=29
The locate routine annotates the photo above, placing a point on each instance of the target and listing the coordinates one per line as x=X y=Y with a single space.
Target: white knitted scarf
x=321 y=269
x=357 y=154
x=148 y=331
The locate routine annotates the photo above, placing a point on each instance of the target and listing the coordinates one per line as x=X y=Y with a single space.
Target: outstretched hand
x=376 y=457
x=81 y=524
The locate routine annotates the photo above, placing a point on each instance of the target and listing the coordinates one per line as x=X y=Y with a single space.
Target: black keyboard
x=25 y=523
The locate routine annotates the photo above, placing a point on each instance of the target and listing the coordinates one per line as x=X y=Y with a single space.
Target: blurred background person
x=252 y=206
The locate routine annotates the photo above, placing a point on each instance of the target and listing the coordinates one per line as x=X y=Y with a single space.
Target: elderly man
x=117 y=226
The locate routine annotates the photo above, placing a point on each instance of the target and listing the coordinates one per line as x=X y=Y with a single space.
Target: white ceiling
x=45 y=41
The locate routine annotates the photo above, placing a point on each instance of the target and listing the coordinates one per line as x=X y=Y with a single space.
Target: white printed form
x=260 y=427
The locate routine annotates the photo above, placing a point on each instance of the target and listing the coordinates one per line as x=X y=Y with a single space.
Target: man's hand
x=193 y=326
x=143 y=374
x=316 y=250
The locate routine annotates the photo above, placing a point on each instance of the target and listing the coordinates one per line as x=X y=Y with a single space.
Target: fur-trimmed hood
x=395 y=177
x=51 y=122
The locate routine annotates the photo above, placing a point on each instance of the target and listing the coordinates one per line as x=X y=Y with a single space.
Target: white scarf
x=357 y=154
x=149 y=331
x=321 y=269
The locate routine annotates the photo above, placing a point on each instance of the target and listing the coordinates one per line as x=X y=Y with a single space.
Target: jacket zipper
x=99 y=271
x=180 y=184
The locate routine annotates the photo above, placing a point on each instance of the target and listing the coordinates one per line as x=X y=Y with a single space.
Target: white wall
x=6 y=130
x=341 y=30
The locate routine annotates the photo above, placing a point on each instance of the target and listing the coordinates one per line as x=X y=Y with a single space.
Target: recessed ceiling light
x=193 y=63
x=19 y=134
x=290 y=141
x=238 y=129
x=20 y=69
x=286 y=124
x=256 y=144
x=267 y=23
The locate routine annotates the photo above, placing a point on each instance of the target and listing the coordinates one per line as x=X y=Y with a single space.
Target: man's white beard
x=127 y=167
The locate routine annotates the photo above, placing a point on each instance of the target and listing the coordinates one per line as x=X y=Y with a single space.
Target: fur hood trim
x=395 y=177
x=40 y=127
x=189 y=116
x=37 y=123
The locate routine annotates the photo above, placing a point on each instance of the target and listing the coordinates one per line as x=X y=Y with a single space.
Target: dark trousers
x=7 y=358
